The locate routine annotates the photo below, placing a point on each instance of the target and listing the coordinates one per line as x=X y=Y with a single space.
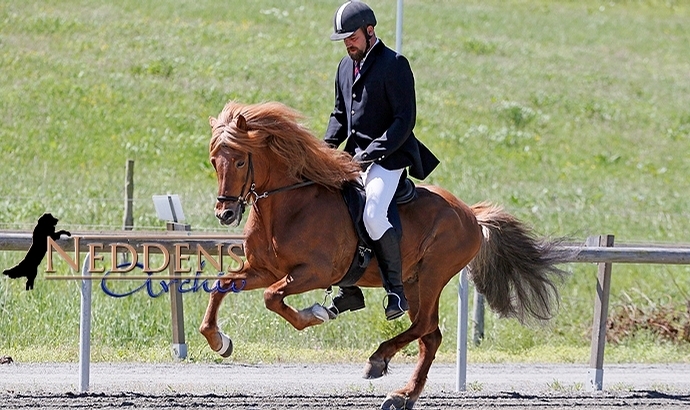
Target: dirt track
x=235 y=386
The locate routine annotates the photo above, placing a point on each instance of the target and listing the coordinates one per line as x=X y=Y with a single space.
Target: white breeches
x=379 y=185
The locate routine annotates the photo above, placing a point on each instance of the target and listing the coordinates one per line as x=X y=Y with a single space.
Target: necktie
x=356 y=70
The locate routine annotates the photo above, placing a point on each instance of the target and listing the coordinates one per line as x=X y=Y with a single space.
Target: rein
x=251 y=197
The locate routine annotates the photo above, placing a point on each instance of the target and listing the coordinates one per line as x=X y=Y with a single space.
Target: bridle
x=252 y=197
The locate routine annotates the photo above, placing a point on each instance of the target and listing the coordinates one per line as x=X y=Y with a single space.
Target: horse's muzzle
x=228 y=216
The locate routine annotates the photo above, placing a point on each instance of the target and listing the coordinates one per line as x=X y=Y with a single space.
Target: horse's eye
x=239 y=164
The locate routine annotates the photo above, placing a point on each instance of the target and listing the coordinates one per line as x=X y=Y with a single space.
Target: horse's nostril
x=227 y=214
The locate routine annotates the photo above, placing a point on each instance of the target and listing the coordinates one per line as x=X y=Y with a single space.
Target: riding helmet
x=349 y=17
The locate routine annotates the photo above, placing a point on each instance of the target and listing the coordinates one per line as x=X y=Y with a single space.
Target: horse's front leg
x=292 y=284
x=209 y=325
x=216 y=339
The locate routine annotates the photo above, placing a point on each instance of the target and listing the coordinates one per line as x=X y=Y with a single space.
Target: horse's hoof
x=226 y=345
x=321 y=313
x=397 y=402
x=375 y=368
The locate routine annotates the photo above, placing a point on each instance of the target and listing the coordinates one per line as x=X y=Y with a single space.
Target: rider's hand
x=363 y=159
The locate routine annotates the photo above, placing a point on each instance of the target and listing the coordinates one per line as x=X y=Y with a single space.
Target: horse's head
x=284 y=153
x=234 y=169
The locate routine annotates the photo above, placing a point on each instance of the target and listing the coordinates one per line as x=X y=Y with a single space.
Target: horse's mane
x=276 y=126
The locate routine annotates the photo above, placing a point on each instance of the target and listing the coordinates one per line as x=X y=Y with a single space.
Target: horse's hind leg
x=424 y=315
x=406 y=397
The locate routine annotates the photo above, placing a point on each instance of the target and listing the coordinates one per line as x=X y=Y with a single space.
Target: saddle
x=353 y=194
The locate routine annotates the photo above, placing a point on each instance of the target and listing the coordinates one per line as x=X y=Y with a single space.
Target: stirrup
x=332 y=314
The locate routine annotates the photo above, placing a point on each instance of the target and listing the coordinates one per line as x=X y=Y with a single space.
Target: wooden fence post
x=179 y=346
x=128 y=220
x=601 y=309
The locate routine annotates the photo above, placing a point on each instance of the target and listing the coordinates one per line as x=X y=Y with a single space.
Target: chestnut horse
x=299 y=237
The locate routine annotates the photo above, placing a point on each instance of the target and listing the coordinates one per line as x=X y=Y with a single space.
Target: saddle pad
x=353 y=194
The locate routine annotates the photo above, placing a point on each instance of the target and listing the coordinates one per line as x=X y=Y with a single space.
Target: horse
x=300 y=237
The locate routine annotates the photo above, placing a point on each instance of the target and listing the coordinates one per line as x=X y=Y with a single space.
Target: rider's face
x=356 y=45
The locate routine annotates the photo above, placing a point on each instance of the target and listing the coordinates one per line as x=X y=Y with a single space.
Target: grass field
x=574 y=115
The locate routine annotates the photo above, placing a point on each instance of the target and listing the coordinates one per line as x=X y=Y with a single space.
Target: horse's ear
x=212 y=121
x=241 y=123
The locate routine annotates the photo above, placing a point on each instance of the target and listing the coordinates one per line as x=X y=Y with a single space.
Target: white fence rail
x=21 y=241
x=598 y=250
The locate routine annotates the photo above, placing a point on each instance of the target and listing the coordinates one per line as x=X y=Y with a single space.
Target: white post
x=461 y=369
x=85 y=329
x=398 y=27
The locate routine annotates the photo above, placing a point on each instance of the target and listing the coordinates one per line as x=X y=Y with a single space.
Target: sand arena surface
x=328 y=386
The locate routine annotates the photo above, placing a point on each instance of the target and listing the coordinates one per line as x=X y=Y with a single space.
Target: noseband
x=251 y=197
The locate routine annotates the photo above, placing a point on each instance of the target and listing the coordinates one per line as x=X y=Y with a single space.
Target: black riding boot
x=387 y=251
x=348 y=298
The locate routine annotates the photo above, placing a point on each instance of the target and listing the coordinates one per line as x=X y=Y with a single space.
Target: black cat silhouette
x=28 y=267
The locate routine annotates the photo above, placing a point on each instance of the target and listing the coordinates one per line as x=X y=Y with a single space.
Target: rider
x=375 y=112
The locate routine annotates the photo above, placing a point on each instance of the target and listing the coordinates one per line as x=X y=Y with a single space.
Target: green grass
x=574 y=115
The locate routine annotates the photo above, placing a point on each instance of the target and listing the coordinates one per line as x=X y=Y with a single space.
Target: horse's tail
x=515 y=270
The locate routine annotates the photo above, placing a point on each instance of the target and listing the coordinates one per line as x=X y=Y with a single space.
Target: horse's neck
x=266 y=214
x=272 y=174
x=274 y=215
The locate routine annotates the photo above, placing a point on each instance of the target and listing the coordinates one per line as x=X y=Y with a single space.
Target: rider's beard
x=357 y=55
